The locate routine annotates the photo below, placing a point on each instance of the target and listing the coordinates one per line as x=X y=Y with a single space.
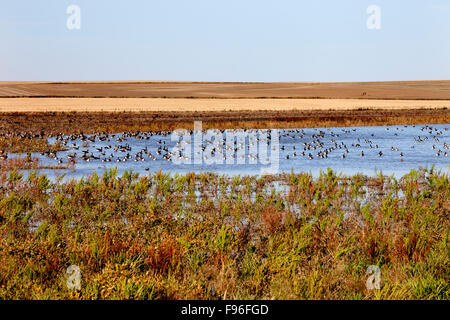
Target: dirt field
x=201 y=105
x=398 y=90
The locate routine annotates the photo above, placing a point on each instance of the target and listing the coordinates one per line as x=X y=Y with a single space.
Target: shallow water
x=403 y=148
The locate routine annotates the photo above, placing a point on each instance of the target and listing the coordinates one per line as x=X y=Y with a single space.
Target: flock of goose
x=294 y=143
x=114 y=147
x=305 y=144
x=318 y=142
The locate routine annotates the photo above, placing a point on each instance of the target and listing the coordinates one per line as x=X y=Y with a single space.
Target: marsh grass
x=28 y=163
x=24 y=145
x=205 y=236
x=95 y=122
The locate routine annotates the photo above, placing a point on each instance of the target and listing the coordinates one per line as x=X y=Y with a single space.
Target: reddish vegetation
x=53 y=122
x=207 y=236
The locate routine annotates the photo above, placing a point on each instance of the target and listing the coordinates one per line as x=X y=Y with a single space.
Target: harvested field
x=396 y=90
x=202 y=105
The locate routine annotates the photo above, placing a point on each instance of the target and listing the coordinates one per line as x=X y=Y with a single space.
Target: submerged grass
x=205 y=236
x=28 y=163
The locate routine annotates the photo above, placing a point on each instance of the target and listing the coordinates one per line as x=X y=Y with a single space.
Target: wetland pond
x=348 y=150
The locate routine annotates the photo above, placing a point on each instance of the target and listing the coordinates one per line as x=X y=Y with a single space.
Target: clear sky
x=228 y=40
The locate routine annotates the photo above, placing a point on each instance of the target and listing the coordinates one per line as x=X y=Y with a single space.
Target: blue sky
x=232 y=40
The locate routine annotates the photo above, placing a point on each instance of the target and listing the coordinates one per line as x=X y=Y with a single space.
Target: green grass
x=204 y=236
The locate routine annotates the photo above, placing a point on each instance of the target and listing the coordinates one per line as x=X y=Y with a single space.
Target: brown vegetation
x=41 y=124
x=16 y=144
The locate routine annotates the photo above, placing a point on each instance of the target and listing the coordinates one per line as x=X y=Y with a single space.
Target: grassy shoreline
x=51 y=123
x=204 y=236
x=24 y=145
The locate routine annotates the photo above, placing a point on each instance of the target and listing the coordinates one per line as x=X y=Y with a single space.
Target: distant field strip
x=158 y=104
x=6 y=91
x=393 y=90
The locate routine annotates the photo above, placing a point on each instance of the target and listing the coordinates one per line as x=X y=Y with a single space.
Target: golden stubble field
x=202 y=105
